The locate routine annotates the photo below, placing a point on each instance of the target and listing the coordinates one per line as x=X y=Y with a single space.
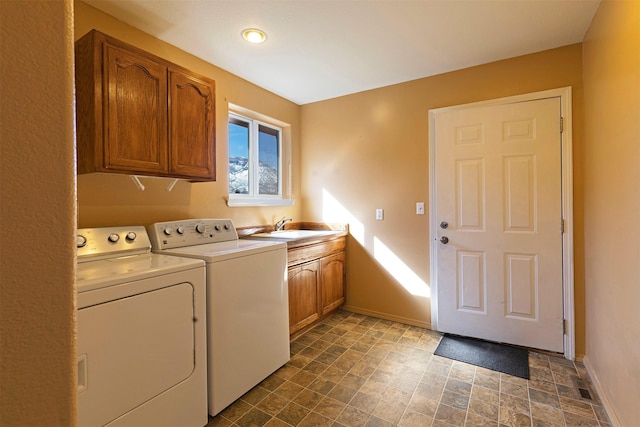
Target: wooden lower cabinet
x=316 y=288
x=332 y=282
x=304 y=289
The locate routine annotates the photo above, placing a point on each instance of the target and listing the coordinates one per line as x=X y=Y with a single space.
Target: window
x=256 y=159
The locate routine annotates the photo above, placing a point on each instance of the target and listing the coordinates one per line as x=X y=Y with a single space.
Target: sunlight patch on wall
x=334 y=212
x=399 y=270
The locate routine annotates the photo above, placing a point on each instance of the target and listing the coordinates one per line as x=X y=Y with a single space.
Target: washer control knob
x=113 y=237
x=226 y=227
x=180 y=230
x=217 y=227
x=168 y=231
x=131 y=236
x=81 y=241
x=200 y=228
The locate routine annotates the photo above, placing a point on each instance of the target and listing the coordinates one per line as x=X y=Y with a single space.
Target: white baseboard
x=387 y=316
x=606 y=403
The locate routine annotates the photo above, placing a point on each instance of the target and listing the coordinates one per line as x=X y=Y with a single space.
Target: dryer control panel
x=110 y=242
x=191 y=232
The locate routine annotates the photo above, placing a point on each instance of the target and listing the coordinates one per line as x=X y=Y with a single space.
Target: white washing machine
x=141 y=333
x=247 y=302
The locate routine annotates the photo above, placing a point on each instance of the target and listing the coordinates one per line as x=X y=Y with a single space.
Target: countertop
x=338 y=230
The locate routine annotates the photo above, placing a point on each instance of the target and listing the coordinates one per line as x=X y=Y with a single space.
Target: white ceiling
x=321 y=49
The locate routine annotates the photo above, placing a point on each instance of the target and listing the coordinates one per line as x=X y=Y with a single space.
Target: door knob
x=444 y=240
x=444 y=224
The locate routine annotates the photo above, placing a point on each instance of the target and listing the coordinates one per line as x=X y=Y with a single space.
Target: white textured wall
x=37 y=214
x=611 y=56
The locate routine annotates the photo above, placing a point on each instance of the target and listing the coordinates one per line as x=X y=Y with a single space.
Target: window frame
x=253 y=198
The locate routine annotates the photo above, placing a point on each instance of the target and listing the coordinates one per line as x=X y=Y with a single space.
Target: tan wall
x=110 y=199
x=370 y=150
x=611 y=54
x=37 y=253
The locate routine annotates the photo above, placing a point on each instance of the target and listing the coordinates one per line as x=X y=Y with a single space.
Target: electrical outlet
x=379 y=214
x=420 y=208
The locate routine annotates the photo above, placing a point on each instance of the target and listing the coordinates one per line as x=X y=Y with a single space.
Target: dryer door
x=133 y=349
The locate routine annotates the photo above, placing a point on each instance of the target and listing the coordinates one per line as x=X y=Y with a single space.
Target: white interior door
x=498 y=188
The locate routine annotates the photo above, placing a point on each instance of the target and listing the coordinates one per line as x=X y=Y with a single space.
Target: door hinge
x=562 y=226
x=564 y=326
x=561 y=124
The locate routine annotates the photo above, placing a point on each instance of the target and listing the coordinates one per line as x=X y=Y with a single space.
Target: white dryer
x=247 y=302
x=141 y=333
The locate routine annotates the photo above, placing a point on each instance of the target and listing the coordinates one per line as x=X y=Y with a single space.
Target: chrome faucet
x=280 y=224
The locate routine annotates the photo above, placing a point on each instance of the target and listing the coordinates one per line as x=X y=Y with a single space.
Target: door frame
x=567 y=204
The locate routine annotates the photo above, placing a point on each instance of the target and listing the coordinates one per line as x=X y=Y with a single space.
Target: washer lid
x=114 y=271
x=214 y=252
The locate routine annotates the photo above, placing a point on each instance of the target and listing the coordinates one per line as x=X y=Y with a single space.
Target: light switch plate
x=379 y=214
x=420 y=208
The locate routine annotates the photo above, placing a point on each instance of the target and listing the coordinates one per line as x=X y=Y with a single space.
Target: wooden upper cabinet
x=135 y=135
x=191 y=129
x=139 y=114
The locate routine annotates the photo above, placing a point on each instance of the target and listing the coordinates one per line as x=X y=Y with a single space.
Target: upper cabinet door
x=135 y=112
x=191 y=125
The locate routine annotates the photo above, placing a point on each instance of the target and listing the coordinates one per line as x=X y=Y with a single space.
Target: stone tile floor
x=354 y=370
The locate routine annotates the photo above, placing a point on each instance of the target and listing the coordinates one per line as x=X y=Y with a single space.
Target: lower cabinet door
x=332 y=268
x=304 y=294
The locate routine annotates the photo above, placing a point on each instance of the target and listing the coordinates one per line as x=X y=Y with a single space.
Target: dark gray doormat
x=497 y=357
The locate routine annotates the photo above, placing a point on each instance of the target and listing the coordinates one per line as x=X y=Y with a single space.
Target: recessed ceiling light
x=254 y=35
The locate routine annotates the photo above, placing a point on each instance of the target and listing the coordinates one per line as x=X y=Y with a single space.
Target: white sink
x=295 y=234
